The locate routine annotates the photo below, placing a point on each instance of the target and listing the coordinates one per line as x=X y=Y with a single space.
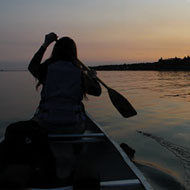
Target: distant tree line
x=171 y=64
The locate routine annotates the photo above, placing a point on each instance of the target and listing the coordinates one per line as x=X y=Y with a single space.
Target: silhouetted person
x=64 y=85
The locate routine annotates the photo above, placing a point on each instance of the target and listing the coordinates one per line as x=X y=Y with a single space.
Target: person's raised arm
x=34 y=65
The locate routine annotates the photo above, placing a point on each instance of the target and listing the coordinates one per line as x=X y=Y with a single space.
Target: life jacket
x=61 y=95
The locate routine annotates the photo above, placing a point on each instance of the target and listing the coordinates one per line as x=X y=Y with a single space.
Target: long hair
x=64 y=49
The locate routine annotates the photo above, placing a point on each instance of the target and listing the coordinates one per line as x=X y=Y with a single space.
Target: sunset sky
x=106 y=31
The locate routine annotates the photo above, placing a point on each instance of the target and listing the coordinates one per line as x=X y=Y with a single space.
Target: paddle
x=119 y=101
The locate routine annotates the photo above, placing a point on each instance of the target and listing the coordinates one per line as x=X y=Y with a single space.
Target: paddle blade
x=121 y=104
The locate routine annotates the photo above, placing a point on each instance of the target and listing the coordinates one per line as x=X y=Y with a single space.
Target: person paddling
x=64 y=86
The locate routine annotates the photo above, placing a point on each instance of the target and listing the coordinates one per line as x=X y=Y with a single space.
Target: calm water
x=160 y=132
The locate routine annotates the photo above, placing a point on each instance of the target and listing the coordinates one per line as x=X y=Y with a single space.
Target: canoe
x=92 y=160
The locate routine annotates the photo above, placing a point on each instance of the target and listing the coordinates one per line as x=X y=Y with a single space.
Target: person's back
x=61 y=98
x=63 y=81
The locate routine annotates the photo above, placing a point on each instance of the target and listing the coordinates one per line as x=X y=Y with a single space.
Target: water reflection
x=179 y=151
x=176 y=84
x=159 y=178
x=18 y=96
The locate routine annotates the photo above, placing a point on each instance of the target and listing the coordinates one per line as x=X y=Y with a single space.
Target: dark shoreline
x=172 y=64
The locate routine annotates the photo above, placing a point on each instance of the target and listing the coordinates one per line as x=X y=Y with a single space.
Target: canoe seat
x=77 y=138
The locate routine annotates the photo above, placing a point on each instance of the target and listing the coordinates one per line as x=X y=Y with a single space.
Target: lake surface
x=160 y=133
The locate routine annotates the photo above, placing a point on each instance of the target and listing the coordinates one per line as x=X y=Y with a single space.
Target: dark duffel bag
x=26 y=143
